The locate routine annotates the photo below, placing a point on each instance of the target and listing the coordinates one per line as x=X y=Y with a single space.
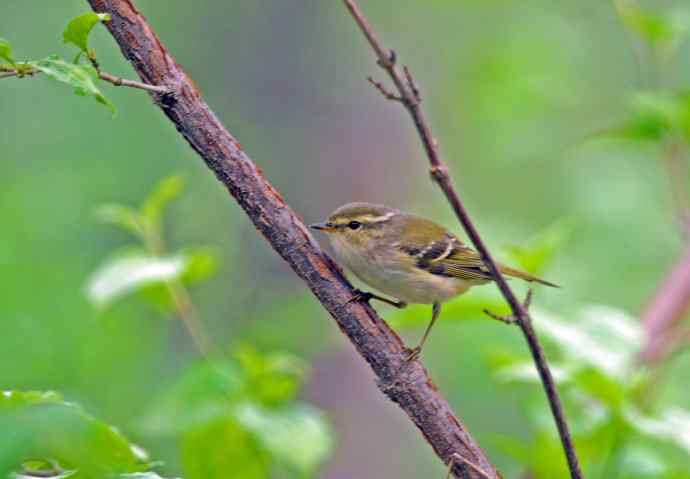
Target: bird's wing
x=448 y=256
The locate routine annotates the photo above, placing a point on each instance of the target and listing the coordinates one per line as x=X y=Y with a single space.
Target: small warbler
x=407 y=257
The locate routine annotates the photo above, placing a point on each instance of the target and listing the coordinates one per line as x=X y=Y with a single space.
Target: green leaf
x=641 y=462
x=297 y=436
x=207 y=391
x=202 y=395
x=666 y=30
x=141 y=475
x=78 y=30
x=6 y=51
x=271 y=378
x=222 y=449
x=202 y=263
x=246 y=406
x=43 y=427
x=610 y=391
x=536 y=254
x=121 y=216
x=650 y=26
x=525 y=371
x=602 y=337
x=673 y=426
x=542 y=455
x=469 y=306
x=122 y=275
x=81 y=77
x=136 y=271
x=154 y=206
x=653 y=116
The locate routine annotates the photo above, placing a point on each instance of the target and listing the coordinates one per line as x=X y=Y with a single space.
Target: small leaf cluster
x=236 y=416
x=239 y=414
x=608 y=396
x=147 y=268
x=664 y=31
x=658 y=114
x=242 y=415
x=83 y=77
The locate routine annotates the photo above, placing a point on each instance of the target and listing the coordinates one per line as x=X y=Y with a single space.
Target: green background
x=513 y=90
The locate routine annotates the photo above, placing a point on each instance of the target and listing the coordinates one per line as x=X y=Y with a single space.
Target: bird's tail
x=527 y=277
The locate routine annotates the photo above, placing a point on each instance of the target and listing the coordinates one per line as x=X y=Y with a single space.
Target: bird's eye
x=353 y=225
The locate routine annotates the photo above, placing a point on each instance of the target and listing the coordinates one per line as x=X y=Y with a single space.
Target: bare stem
x=190 y=317
x=115 y=80
x=410 y=98
x=180 y=295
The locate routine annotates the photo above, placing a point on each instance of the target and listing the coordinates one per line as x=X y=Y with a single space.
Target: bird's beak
x=325 y=226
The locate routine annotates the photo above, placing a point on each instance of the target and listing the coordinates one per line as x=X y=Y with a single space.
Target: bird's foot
x=413 y=354
x=360 y=296
x=365 y=296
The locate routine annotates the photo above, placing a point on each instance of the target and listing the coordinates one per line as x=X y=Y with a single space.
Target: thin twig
x=408 y=385
x=511 y=319
x=383 y=90
x=115 y=80
x=439 y=171
x=190 y=317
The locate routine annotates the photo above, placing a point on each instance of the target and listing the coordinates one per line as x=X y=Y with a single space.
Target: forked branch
x=411 y=99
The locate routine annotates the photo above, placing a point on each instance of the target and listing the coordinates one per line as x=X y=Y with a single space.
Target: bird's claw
x=413 y=354
x=360 y=296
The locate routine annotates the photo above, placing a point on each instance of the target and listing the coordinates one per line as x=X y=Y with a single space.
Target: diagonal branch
x=410 y=98
x=408 y=385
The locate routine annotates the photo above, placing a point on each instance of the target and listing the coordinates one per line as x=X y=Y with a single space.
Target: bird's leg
x=366 y=296
x=456 y=458
x=416 y=351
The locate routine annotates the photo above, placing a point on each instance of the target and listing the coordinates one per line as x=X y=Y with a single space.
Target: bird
x=407 y=257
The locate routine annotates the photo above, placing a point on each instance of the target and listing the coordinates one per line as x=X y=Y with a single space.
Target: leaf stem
x=182 y=300
x=189 y=316
x=115 y=80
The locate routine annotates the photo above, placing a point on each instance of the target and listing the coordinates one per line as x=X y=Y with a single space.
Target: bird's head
x=356 y=225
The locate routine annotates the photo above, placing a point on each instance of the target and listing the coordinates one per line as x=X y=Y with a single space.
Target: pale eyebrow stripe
x=378 y=219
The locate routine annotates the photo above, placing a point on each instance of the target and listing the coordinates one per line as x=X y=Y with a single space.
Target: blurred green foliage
x=240 y=415
x=41 y=429
x=512 y=89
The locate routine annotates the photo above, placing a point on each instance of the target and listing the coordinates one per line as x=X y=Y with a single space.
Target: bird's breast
x=396 y=275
